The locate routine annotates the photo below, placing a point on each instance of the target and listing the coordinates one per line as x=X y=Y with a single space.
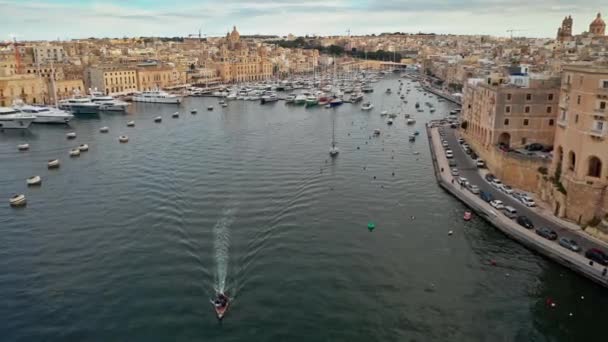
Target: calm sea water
x=129 y=241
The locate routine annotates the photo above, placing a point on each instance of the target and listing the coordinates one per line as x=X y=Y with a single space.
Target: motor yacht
x=46 y=114
x=157 y=96
x=15 y=119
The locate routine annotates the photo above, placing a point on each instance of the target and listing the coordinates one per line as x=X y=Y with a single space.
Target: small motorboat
x=367 y=106
x=389 y=122
x=411 y=121
x=158 y=119
x=23 y=147
x=104 y=129
x=34 y=180
x=412 y=138
x=53 y=164
x=193 y=111
x=220 y=304
x=376 y=132
x=131 y=124
x=467 y=216
x=224 y=105
x=210 y=108
x=175 y=115
x=83 y=148
x=74 y=152
x=123 y=139
x=71 y=135
x=384 y=113
x=18 y=200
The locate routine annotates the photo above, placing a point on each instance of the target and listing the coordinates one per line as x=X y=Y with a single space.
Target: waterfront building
x=30 y=89
x=157 y=77
x=512 y=111
x=111 y=79
x=580 y=162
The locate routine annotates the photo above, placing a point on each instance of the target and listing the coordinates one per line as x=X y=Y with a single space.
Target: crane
x=514 y=30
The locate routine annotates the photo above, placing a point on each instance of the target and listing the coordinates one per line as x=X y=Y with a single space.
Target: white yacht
x=300 y=99
x=46 y=114
x=79 y=105
x=13 y=118
x=156 y=96
x=108 y=103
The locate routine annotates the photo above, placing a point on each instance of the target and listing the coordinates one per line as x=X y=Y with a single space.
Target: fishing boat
x=311 y=101
x=220 y=304
x=335 y=102
x=467 y=216
x=367 y=106
x=333 y=151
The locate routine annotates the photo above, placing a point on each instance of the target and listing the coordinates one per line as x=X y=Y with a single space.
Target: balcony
x=566 y=86
x=600 y=112
x=602 y=90
x=597 y=133
x=562 y=123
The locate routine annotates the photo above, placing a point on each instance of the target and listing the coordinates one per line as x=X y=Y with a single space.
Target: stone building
x=30 y=89
x=513 y=111
x=580 y=162
x=112 y=80
x=157 y=77
x=564 y=33
x=598 y=26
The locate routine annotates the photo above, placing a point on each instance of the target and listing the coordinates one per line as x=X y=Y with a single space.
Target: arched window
x=571 y=161
x=594 y=167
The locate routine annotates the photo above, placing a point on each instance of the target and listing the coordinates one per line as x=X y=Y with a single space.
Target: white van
x=510 y=212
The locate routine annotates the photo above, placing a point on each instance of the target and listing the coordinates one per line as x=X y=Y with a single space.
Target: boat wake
x=221 y=232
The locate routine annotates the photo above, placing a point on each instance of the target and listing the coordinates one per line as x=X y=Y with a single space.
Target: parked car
x=497 y=204
x=525 y=222
x=445 y=144
x=449 y=154
x=474 y=189
x=453 y=125
x=486 y=196
x=496 y=183
x=527 y=201
x=452 y=163
x=454 y=172
x=534 y=147
x=473 y=155
x=466 y=146
x=569 y=244
x=547 y=233
x=462 y=180
x=467 y=150
x=480 y=163
x=506 y=189
x=460 y=140
x=510 y=212
x=597 y=256
x=490 y=177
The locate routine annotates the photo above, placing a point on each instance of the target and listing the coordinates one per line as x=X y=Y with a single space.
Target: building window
x=571 y=161
x=550 y=97
x=551 y=122
x=508 y=109
x=578 y=100
x=605 y=84
x=526 y=122
x=508 y=97
x=576 y=118
x=524 y=141
x=506 y=122
x=528 y=97
x=527 y=109
x=602 y=105
x=594 y=168
x=549 y=109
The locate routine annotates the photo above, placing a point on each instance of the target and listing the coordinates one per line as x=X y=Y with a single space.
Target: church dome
x=598 y=26
x=598 y=21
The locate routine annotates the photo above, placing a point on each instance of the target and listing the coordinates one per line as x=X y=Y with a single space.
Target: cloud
x=82 y=18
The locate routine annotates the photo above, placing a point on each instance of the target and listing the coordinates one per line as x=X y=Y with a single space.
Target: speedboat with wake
x=220 y=304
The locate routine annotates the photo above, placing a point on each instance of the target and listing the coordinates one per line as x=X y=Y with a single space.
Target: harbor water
x=128 y=242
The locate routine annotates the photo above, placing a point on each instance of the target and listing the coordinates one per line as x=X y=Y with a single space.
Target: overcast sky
x=65 y=19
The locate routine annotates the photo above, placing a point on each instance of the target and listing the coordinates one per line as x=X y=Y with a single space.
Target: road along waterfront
x=575 y=261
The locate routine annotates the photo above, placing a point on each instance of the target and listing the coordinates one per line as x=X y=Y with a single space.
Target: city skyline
x=45 y=19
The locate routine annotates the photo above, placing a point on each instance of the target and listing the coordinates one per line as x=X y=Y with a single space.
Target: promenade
x=551 y=249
